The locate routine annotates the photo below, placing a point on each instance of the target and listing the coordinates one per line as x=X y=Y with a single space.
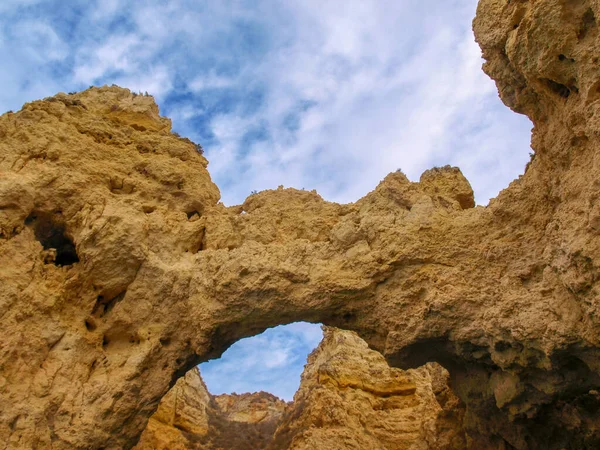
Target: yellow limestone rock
x=119 y=269
x=182 y=416
x=189 y=418
x=349 y=398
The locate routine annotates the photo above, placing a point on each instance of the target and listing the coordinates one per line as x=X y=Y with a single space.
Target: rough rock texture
x=259 y=407
x=349 y=398
x=119 y=269
x=190 y=418
x=182 y=416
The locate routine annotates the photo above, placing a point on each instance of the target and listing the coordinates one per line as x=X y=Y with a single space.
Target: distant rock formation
x=189 y=418
x=348 y=398
x=120 y=270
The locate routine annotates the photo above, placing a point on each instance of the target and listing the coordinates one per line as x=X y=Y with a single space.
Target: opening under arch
x=271 y=361
x=348 y=393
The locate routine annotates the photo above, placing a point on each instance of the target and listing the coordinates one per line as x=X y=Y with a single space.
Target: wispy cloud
x=114 y=56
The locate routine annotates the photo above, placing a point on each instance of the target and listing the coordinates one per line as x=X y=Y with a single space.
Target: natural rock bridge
x=119 y=269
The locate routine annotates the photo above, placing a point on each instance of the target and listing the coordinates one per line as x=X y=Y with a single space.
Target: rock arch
x=504 y=296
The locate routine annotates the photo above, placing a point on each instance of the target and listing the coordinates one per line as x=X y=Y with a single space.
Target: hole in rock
x=90 y=325
x=51 y=233
x=271 y=361
x=193 y=215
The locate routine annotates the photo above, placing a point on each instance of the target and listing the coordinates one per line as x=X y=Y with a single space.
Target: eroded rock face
x=349 y=398
x=119 y=269
x=190 y=418
x=182 y=417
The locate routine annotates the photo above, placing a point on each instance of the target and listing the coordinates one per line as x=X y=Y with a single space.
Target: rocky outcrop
x=183 y=416
x=119 y=269
x=349 y=398
x=190 y=418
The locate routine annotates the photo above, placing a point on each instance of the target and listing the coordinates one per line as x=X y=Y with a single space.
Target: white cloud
x=389 y=86
x=116 y=54
x=105 y=9
x=276 y=358
x=13 y=5
x=155 y=21
x=40 y=41
x=184 y=113
x=156 y=81
x=27 y=47
x=210 y=81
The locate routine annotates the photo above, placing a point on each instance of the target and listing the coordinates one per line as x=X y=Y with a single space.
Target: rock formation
x=349 y=398
x=189 y=418
x=120 y=270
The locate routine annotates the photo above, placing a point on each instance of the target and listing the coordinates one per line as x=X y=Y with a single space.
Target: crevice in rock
x=9 y=234
x=138 y=127
x=119 y=185
x=184 y=364
x=98 y=135
x=199 y=243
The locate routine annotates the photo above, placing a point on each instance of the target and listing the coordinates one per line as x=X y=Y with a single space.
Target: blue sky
x=271 y=361
x=327 y=95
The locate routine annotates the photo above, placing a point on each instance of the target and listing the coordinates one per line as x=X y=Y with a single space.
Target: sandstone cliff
x=349 y=398
x=119 y=269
